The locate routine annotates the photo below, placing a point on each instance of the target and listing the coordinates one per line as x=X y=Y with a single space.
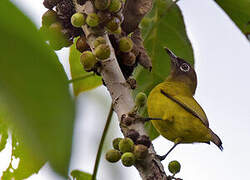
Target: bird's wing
x=190 y=105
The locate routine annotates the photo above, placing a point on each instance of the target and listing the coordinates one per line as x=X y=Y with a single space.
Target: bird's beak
x=173 y=57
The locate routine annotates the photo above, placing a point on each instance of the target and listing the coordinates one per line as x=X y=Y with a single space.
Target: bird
x=174 y=112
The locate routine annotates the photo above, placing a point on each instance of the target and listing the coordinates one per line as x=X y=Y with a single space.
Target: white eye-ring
x=185 y=67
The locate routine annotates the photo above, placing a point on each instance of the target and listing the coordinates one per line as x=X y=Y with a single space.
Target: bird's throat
x=177 y=88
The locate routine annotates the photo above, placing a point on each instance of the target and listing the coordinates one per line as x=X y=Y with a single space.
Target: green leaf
x=163 y=26
x=3 y=134
x=4 y=128
x=34 y=89
x=239 y=12
x=79 y=175
x=77 y=72
x=29 y=161
x=150 y=129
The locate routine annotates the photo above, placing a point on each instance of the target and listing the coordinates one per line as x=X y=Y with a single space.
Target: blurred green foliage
x=29 y=161
x=239 y=12
x=80 y=175
x=34 y=92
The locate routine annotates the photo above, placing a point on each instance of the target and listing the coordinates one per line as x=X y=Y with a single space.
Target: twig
x=99 y=153
x=81 y=77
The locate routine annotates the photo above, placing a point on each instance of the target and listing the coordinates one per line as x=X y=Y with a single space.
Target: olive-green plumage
x=183 y=119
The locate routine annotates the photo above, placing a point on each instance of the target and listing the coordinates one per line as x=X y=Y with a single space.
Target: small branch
x=133 y=13
x=143 y=58
x=81 y=77
x=99 y=153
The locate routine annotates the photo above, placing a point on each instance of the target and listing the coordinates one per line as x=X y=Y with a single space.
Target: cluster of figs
x=63 y=26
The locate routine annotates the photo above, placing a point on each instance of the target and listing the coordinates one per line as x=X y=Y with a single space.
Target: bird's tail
x=216 y=140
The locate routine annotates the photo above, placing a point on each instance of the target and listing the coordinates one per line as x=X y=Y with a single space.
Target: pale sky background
x=222 y=61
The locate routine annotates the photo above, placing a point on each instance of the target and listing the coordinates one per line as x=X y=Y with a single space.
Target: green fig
x=174 y=167
x=113 y=155
x=115 y=6
x=92 y=20
x=102 y=51
x=126 y=145
x=88 y=60
x=77 y=20
x=128 y=159
x=125 y=44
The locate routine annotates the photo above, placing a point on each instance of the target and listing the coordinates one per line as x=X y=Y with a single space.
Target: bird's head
x=182 y=71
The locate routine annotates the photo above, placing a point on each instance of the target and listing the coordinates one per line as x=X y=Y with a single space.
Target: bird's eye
x=185 y=67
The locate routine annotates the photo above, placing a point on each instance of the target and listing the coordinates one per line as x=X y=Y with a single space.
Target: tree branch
x=133 y=12
x=120 y=91
x=143 y=58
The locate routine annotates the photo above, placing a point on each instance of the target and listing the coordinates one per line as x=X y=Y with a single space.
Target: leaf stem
x=99 y=153
x=81 y=77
